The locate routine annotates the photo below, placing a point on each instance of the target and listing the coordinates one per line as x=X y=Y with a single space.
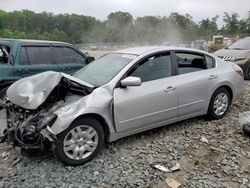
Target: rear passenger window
x=35 y=55
x=153 y=68
x=210 y=62
x=66 y=55
x=189 y=62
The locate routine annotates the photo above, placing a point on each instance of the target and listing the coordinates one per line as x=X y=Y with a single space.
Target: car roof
x=148 y=49
x=7 y=40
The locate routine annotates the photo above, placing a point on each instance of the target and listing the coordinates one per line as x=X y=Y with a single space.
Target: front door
x=68 y=59
x=152 y=103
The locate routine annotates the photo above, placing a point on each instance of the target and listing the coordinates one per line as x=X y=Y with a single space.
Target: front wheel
x=79 y=143
x=219 y=104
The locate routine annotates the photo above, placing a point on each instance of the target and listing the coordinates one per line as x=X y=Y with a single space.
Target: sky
x=100 y=9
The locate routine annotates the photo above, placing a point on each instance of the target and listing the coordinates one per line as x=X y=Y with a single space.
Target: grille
x=227 y=58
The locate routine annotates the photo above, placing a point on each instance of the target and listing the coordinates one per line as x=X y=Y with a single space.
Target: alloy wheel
x=80 y=142
x=221 y=103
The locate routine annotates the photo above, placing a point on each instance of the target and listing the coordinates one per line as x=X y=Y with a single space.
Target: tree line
x=119 y=27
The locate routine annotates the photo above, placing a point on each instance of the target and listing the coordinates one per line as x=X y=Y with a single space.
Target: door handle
x=212 y=77
x=169 y=89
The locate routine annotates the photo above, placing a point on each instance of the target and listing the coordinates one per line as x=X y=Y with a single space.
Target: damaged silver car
x=117 y=95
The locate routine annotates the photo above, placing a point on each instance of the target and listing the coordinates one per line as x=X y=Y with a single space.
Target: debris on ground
x=204 y=139
x=176 y=167
x=244 y=119
x=172 y=183
x=162 y=168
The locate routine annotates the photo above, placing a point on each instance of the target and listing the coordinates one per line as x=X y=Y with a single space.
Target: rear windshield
x=219 y=40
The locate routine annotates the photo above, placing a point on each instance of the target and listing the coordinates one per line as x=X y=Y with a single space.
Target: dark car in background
x=238 y=53
x=21 y=58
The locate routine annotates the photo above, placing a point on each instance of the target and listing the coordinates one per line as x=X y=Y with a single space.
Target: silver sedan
x=120 y=94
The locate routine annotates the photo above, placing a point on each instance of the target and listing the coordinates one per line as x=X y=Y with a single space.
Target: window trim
x=194 y=53
x=173 y=67
x=39 y=45
x=64 y=46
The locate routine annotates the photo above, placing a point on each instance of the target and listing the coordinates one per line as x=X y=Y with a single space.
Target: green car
x=21 y=58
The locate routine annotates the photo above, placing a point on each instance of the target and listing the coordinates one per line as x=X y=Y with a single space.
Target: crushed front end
x=29 y=112
x=24 y=126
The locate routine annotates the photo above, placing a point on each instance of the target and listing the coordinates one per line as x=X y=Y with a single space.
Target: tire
x=217 y=111
x=247 y=73
x=246 y=129
x=76 y=137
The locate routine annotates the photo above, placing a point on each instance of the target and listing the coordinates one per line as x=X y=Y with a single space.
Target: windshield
x=243 y=44
x=102 y=70
x=218 y=40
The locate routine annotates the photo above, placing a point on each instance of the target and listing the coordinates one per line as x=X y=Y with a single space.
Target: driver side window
x=153 y=68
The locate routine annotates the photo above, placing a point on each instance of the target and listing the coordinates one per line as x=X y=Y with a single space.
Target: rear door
x=196 y=80
x=68 y=59
x=151 y=104
x=34 y=59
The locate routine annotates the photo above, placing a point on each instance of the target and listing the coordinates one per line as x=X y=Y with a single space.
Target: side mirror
x=131 y=81
x=90 y=59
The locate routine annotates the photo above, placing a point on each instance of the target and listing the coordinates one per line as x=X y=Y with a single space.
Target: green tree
x=119 y=25
x=232 y=23
x=208 y=27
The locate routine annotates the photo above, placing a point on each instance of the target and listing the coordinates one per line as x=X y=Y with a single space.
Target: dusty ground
x=222 y=159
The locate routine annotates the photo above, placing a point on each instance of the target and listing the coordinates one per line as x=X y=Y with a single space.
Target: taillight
x=238 y=70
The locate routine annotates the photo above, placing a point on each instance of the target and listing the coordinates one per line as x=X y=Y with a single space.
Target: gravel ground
x=222 y=159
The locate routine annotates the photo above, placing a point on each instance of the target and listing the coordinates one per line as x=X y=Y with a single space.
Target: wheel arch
x=245 y=68
x=100 y=119
x=227 y=87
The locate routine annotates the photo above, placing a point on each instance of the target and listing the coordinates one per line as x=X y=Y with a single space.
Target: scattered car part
x=117 y=95
x=176 y=167
x=204 y=139
x=172 y=183
x=161 y=168
x=244 y=119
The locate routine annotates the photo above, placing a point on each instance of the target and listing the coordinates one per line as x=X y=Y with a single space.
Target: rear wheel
x=80 y=143
x=219 y=104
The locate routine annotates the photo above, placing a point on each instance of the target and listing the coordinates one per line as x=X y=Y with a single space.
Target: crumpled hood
x=32 y=91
